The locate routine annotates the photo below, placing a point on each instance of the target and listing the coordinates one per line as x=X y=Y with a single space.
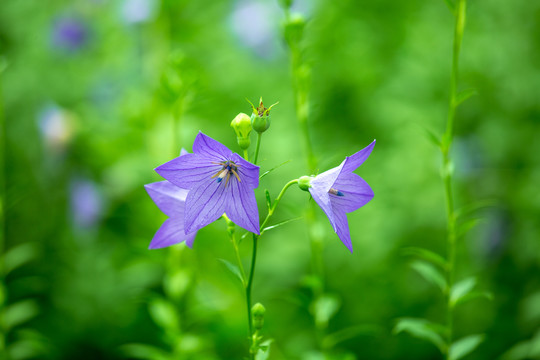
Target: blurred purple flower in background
x=254 y=23
x=219 y=181
x=69 y=33
x=86 y=203
x=171 y=200
x=138 y=11
x=339 y=191
x=56 y=127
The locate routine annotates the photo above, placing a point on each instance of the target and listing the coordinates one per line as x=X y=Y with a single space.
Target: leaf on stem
x=233 y=269
x=432 y=136
x=465 y=227
x=280 y=224
x=422 y=329
x=324 y=308
x=264 y=350
x=19 y=255
x=20 y=312
x=331 y=340
x=430 y=273
x=474 y=295
x=143 y=351
x=461 y=289
x=473 y=207
x=464 y=95
x=268 y=199
x=163 y=313
x=464 y=346
x=272 y=169
x=427 y=255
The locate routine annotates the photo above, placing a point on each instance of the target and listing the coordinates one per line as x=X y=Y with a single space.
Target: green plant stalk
x=3 y=290
x=254 y=259
x=447 y=169
x=257 y=147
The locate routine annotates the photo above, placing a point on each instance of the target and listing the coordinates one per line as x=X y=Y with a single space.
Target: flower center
x=227 y=168
x=336 y=192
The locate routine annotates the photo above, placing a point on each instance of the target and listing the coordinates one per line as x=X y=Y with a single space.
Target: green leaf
x=233 y=269
x=19 y=255
x=331 y=340
x=268 y=199
x=464 y=346
x=464 y=95
x=465 y=227
x=427 y=255
x=430 y=273
x=422 y=329
x=272 y=169
x=471 y=208
x=25 y=349
x=432 y=136
x=460 y=289
x=176 y=283
x=324 y=308
x=20 y=312
x=143 y=351
x=280 y=224
x=264 y=350
x=475 y=295
x=163 y=313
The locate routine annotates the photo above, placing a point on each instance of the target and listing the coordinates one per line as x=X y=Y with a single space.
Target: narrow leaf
x=163 y=313
x=465 y=227
x=464 y=346
x=474 y=295
x=460 y=289
x=279 y=224
x=143 y=351
x=464 y=95
x=233 y=269
x=19 y=255
x=432 y=136
x=264 y=350
x=430 y=273
x=473 y=207
x=268 y=199
x=331 y=340
x=427 y=255
x=20 y=312
x=324 y=308
x=421 y=329
x=272 y=169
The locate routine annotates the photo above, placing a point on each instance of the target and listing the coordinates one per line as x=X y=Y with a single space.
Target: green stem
x=257 y=147
x=447 y=168
x=254 y=259
x=246 y=156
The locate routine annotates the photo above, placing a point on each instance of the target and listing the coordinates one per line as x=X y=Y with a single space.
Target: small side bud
x=304 y=182
x=257 y=312
x=293 y=29
x=242 y=127
x=260 y=119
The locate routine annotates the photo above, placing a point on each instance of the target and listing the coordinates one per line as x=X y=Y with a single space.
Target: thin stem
x=447 y=168
x=254 y=259
x=246 y=156
x=257 y=147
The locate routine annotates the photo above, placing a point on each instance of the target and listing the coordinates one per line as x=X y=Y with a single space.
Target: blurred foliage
x=97 y=93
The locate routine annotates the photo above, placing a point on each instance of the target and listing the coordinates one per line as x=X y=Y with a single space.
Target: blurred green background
x=97 y=93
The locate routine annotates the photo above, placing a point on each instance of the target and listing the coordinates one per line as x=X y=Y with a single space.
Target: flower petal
x=170 y=233
x=323 y=200
x=187 y=171
x=169 y=198
x=241 y=206
x=205 y=203
x=355 y=160
x=248 y=172
x=190 y=239
x=206 y=146
x=356 y=192
x=342 y=228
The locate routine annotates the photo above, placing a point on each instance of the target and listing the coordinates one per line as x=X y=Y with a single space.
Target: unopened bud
x=304 y=182
x=260 y=119
x=257 y=312
x=242 y=127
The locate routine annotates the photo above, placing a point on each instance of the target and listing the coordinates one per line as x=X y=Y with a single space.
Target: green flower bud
x=257 y=312
x=304 y=182
x=293 y=29
x=260 y=119
x=242 y=127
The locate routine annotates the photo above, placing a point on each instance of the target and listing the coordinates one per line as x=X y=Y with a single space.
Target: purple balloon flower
x=339 y=191
x=172 y=201
x=219 y=181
